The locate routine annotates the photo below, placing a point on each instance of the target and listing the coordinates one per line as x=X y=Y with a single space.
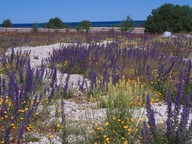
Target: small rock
x=173 y=36
x=166 y=34
x=189 y=36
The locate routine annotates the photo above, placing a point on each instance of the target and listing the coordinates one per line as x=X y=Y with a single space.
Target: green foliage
x=127 y=24
x=31 y=138
x=35 y=27
x=127 y=94
x=170 y=17
x=7 y=23
x=118 y=127
x=67 y=27
x=55 y=23
x=84 y=25
x=122 y=102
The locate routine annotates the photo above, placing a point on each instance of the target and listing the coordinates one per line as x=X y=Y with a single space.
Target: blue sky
x=30 y=11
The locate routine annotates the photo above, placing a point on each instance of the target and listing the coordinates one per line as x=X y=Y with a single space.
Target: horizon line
x=77 y=22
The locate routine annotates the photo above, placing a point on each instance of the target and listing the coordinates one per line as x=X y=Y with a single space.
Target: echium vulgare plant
x=16 y=109
x=13 y=62
x=178 y=125
x=21 y=93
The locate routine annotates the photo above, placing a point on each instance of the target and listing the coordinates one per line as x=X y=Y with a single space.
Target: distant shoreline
x=139 y=30
x=138 y=23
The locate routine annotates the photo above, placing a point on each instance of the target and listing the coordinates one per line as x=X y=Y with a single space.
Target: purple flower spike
x=151 y=117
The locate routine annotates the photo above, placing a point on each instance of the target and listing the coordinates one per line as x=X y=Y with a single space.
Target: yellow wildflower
x=106 y=124
x=50 y=136
x=125 y=127
x=58 y=125
x=132 y=119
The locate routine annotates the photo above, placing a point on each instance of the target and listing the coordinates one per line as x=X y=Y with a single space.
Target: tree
x=84 y=25
x=127 y=24
x=35 y=27
x=67 y=27
x=55 y=23
x=7 y=23
x=169 y=17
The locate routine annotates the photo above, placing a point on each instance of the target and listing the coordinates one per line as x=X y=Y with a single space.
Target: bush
x=120 y=126
x=35 y=27
x=67 y=27
x=55 y=23
x=127 y=24
x=170 y=17
x=7 y=23
x=84 y=25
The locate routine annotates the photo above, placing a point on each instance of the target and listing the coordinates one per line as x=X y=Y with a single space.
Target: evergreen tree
x=7 y=23
x=127 y=24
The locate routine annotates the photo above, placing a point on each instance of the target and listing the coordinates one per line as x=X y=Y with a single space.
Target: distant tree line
x=57 y=23
x=168 y=17
x=84 y=25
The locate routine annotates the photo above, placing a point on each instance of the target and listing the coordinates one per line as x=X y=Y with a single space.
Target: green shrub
x=35 y=27
x=123 y=115
x=84 y=25
x=127 y=24
x=169 y=17
x=67 y=27
x=7 y=23
x=55 y=23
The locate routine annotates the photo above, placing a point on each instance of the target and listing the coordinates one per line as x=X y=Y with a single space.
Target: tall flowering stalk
x=182 y=128
x=178 y=128
x=178 y=99
x=145 y=133
x=20 y=96
x=169 y=122
x=151 y=118
x=27 y=117
x=63 y=116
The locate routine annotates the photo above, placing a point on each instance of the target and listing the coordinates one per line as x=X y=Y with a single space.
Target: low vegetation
x=123 y=78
